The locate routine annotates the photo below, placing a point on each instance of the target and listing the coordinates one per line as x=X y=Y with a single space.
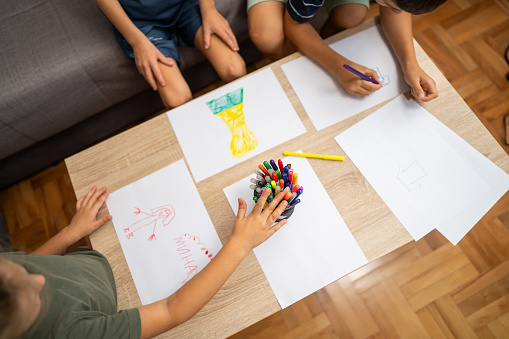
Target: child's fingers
x=276 y=227
x=270 y=208
x=147 y=73
x=103 y=220
x=100 y=198
x=86 y=198
x=277 y=212
x=79 y=203
x=242 y=209
x=157 y=74
x=257 y=209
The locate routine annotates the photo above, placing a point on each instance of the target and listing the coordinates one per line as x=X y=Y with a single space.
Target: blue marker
x=359 y=74
x=295 y=202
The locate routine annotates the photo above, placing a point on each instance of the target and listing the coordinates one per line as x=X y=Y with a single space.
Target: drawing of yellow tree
x=230 y=107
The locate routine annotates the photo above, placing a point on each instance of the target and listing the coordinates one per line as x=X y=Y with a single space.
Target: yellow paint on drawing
x=230 y=107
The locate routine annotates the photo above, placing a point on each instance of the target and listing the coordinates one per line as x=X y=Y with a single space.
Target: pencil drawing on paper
x=410 y=176
x=185 y=251
x=162 y=215
x=385 y=79
x=230 y=108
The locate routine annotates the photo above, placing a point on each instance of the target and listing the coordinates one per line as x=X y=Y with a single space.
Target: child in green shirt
x=49 y=294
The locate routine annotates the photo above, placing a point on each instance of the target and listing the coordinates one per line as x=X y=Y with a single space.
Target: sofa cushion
x=60 y=65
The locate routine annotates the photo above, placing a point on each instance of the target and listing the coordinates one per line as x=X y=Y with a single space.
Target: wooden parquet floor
x=425 y=289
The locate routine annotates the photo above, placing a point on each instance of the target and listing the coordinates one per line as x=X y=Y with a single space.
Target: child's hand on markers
x=84 y=221
x=251 y=231
x=423 y=86
x=146 y=57
x=356 y=85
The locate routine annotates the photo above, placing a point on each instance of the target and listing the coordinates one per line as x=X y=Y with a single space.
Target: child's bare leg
x=227 y=63
x=343 y=17
x=265 y=20
x=176 y=90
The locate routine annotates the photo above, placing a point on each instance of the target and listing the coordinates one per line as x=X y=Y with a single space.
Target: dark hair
x=418 y=6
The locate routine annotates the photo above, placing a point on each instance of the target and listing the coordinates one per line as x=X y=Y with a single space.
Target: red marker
x=262 y=168
x=281 y=167
x=274 y=176
x=295 y=188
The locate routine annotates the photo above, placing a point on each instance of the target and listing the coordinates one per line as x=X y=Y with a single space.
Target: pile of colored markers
x=278 y=178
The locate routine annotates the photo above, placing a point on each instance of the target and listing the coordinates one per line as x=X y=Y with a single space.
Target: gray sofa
x=66 y=84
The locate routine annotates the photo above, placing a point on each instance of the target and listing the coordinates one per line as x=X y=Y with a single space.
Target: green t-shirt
x=79 y=299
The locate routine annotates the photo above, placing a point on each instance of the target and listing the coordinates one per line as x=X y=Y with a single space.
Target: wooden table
x=246 y=297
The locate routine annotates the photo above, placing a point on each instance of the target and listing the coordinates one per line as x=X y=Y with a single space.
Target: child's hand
x=356 y=85
x=146 y=57
x=254 y=229
x=84 y=221
x=215 y=23
x=423 y=87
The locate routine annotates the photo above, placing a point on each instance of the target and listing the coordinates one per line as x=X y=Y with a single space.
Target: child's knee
x=349 y=17
x=268 y=42
x=172 y=100
x=235 y=69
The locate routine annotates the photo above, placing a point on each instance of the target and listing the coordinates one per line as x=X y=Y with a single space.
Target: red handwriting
x=186 y=254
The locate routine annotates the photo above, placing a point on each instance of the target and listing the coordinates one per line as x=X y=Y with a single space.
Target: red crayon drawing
x=186 y=254
x=164 y=214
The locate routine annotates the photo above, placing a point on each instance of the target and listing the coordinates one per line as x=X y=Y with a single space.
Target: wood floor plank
x=445 y=285
x=454 y=318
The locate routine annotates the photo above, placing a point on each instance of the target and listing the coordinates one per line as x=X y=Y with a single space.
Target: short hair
x=10 y=317
x=419 y=6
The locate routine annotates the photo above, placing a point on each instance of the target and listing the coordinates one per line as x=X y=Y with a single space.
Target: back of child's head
x=418 y=6
x=11 y=317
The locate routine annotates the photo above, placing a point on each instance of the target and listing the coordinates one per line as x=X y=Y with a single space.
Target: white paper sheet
x=495 y=178
x=425 y=175
x=164 y=230
x=324 y=100
x=206 y=138
x=313 y=249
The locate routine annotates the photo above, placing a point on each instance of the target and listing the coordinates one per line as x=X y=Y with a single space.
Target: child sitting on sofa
x=277 y=27
x=50 y=295
x=150 y=32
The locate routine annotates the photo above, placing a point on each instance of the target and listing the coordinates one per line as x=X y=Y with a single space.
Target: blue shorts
x=181 y=33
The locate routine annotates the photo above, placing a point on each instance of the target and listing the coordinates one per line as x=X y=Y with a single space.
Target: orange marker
x=262 y=168
x=281 y=183
x=288 y=195
x=294 y=179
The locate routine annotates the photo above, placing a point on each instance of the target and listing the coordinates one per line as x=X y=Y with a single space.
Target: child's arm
x=398 y=30
x=215 y=23
x=309 y=42
x=146 y=55
x=248 y=232
x=82 y=224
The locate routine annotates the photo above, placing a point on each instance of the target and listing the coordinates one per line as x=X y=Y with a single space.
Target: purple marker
x=359 y=74
x=273 y=164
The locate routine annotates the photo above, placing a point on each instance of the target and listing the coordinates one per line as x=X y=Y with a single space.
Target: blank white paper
x=208 y=139
x=323 y=98
x=425 y=175
x=313 y=249
x=164 y=229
